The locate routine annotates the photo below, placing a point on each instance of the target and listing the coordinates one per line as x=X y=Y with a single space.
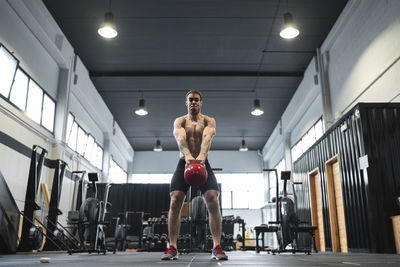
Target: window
x=281 y=166
x=151 y=178
x=19 y=90
x=8 y=65
x=83 y=143
x=93 y=155
x=226 y=199
x=71 y=141
x=99 y=158
x=319 y=129
x=34 y=103
x=297 y=150
x=89 y=146
x=49 y=108
x=24 y=92
x=241 y=190
x=69 y=126
x=116 y=174
x=308 y=139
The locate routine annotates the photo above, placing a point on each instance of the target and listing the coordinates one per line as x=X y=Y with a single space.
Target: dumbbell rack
x=156 y=239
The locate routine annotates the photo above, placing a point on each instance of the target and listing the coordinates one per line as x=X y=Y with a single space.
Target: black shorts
x=178 y=181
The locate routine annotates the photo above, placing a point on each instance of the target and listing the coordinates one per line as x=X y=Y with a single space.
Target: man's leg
x=211 y=198
x=174 y=220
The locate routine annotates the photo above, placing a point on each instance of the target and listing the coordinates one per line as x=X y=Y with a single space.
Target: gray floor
x=236 y=258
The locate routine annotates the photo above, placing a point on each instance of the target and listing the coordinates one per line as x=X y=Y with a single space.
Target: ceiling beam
x=196 y=74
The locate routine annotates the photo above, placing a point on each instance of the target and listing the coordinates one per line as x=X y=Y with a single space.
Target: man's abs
x=194 y=135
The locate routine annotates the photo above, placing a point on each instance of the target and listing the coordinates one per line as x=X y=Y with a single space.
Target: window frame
x=27 y=89
x=120 y=168
x=18 y=67
x=55 y=110
x=87 y=133
x=15 y=71
x=305 y=135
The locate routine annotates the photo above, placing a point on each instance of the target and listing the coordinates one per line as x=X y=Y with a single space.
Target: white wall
x=364 y=58
x=303 y=110
x=166 y=161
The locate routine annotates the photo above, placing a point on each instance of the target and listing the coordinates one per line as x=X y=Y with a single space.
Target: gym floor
x=236 y=258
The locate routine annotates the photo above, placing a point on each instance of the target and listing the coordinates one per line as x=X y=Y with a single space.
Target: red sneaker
x=170 y=254
x=219 y=254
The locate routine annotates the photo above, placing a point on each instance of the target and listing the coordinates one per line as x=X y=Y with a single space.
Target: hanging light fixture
x=141 y=111
x=243 y=147
x=107 y=28
x=257 y=110
x=289 y=29
x=158 y=147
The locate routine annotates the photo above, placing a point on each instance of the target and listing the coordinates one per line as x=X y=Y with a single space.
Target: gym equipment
x=154 y=236
x=227 y=242
x=287 y=225
x=78 y=192
x=195 y=174
x=53 y=237
x=134 y=226
x=53 y=208
x=199 y=219
x=9 y=219
x=120 y=233
x=32 y=235
x=91 y=220
x=195 y=234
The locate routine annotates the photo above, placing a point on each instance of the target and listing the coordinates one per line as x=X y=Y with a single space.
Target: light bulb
x=107 y=29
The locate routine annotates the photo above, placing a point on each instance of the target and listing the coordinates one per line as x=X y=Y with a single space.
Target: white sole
x=171 y=259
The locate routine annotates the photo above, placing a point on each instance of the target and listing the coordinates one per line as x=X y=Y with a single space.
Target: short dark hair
x=194 y=92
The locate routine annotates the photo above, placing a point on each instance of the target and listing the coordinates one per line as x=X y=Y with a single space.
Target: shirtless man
x=193 y=133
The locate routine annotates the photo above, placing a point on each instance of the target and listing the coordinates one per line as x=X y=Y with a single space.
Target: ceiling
x=229 y=49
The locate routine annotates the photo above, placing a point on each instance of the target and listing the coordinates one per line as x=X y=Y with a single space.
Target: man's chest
x=194 y=128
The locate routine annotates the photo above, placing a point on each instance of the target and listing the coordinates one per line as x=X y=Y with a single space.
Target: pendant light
x=243 y=147
x=289 y=29
x=107 y=29
x=142 y=110
x=158 y=147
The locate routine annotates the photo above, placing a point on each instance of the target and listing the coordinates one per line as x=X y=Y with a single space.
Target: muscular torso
x=194 y=133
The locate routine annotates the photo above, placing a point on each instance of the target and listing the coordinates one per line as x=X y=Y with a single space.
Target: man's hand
x=201 y=159
x=190 y=159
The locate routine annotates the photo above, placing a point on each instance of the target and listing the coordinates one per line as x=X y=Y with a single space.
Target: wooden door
x=336 y=206
x=316 y=209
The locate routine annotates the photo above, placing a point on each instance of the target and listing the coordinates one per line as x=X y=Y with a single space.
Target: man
x=193 y=133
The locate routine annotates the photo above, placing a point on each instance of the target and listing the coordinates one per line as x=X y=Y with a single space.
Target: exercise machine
x=91 y=223
x=34 y=231
x=287 y=225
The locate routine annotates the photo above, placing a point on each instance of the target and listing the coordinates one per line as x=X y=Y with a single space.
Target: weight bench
x=262 y=229
x=307 y=229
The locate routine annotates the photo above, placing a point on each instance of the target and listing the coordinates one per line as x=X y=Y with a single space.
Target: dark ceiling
x=229 y=49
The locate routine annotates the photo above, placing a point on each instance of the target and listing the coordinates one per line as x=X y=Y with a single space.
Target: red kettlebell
x=195 y=174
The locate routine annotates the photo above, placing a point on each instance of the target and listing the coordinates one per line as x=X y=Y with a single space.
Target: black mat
x=236 y=258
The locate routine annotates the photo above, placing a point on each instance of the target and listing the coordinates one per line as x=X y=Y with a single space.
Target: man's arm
x=180 y=137
x=208 y=134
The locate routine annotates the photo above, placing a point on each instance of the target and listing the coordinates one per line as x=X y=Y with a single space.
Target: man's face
x=193 y=103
